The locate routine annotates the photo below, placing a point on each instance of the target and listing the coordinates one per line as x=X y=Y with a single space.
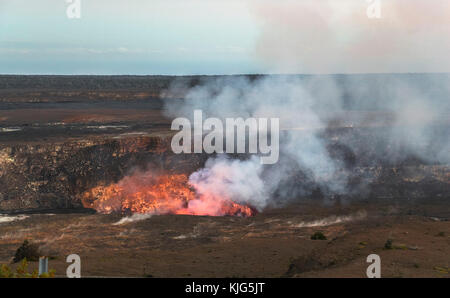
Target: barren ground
x=271 y=244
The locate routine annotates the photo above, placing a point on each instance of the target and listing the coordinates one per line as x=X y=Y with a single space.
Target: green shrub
x=5 y=272
x=388 y=244
x=22 y=272
x=29 y=251
x=318 y=236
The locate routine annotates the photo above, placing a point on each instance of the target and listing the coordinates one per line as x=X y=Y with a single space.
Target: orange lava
x=167 y=194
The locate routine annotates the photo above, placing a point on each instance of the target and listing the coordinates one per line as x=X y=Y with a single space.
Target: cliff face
x=54 y=175
x=61 y=136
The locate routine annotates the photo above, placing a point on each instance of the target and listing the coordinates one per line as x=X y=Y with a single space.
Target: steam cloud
x=408 y=110
x=4 y=219
x=132 y=218
x=310 y=36
x=328 y=36
x=332 y=220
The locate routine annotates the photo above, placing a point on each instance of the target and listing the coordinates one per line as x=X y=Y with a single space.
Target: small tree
x=29 y=251
x=318 y=236
x=388 y=244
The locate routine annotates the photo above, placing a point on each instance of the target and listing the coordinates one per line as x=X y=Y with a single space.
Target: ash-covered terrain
x=63 y=136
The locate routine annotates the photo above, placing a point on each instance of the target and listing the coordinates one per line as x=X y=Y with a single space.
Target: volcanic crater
x=97 y=149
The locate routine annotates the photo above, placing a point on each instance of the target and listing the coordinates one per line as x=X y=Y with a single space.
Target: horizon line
x=216 y=75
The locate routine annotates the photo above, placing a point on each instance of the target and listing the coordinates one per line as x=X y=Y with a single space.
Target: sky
x=223 y=37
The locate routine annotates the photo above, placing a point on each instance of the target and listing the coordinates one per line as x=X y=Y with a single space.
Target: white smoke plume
x=133 y=218
x=407 y=111
x=332 y=220
x=246 y=181
x=329 y=36
x=223 y=178
x=410 y=112
x=4 y=218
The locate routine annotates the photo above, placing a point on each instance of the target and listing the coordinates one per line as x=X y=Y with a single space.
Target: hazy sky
x=223 y=37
